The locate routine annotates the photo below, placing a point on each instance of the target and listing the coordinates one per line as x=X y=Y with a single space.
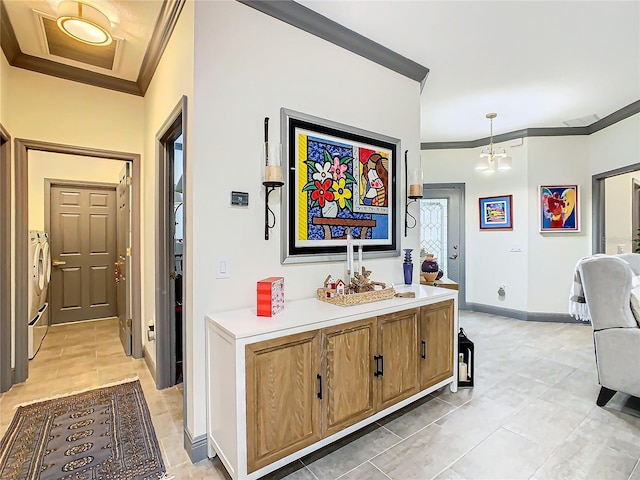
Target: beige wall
x=172 y=80
x=618 y=213
x=4 y=90
x=54 y=110
x=247 y=66
x=47 y=165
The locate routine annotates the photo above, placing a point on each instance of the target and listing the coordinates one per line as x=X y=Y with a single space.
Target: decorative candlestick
x=408 y=266
x=360 y=258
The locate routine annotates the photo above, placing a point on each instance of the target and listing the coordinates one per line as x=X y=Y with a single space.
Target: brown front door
x=83 y=253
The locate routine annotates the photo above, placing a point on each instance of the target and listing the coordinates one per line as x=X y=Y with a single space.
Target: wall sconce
x=413 y=185
x=272 y=176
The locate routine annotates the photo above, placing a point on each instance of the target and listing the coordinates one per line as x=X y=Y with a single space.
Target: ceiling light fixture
x=84 y=23
x=492 y=159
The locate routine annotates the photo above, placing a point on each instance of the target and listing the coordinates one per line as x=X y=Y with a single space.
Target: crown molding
x=316 y=24
x=167 y=19
x=615 y=117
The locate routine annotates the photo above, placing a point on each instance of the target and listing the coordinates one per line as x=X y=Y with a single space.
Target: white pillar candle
x=360 y=258
x=273 y=173
x=415 y=190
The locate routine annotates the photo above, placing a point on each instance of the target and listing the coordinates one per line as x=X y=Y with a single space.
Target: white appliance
x=40 y=274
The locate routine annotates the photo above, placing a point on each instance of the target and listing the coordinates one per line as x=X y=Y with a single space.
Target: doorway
x=171 y=248
x=616 y=210
x=442 y=230
x=22 y=151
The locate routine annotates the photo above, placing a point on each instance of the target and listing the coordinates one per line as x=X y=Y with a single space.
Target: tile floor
x=532 y=413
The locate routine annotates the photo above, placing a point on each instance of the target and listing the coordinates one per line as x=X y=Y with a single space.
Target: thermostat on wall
x=240 y=199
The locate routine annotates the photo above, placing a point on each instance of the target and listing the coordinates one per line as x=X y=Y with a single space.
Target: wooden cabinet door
x=349 y=393
x=398 y=367
x=436 y=343
x=283 y=409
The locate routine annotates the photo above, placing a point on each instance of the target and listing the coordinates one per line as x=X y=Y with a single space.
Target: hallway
x=86 y=355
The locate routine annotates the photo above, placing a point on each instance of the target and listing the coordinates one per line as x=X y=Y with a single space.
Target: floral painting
x=559 y=208
x=340 y=182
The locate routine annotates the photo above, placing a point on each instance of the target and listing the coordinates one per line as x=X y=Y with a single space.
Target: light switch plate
x=223 y=268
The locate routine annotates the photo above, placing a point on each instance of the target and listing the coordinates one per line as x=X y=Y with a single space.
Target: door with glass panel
x=442 y=229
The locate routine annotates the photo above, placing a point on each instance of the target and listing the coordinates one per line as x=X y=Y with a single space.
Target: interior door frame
x=6 y=300
x=460 y=187
x=21 y=161
x=165 y=311
x=598 y=210
x=54 y=182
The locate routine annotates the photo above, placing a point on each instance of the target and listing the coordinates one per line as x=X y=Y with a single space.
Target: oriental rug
x=103 y=434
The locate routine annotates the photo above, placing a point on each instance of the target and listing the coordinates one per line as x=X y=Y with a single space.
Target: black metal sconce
x=466 y=365
x=413 y=193
x=272 y=178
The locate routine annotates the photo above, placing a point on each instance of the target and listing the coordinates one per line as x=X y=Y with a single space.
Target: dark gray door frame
x=460 y=187
x=598 y=213
x=21 y=160
x=6 y=302
x=171 y=129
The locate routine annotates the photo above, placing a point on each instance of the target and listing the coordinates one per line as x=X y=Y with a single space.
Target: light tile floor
x=531 y=414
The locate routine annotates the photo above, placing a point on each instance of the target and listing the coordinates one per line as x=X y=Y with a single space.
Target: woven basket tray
x=355 y=298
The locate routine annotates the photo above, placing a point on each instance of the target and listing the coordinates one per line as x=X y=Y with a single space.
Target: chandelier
x=493 y=158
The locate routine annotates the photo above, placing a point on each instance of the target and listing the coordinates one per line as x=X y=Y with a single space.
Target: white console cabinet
x=281 y=387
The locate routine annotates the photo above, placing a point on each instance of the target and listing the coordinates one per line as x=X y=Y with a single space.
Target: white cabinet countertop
x=306 y=313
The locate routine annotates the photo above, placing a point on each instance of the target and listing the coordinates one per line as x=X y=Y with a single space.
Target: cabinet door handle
x=319 y=394
x=377 y=373
x=381 y=365
x=424 y=349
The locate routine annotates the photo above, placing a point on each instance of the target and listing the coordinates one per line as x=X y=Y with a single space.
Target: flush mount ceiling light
x=493 y=158
x=84 y=23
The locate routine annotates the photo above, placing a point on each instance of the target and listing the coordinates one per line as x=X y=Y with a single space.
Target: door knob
x=454 y=256
x=58 y=263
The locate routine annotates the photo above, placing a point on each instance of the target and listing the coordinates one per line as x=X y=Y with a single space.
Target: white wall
x=618 y=218
x=247 y=66
x=490 y=261
x=615 y=146
x=552 y=257
x=57 y=166
x=173 y=79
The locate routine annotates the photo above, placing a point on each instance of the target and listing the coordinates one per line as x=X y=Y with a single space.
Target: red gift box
x=270 y=296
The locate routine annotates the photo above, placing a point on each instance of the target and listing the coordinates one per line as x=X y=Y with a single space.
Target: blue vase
x=408 y=266
x=408 y=273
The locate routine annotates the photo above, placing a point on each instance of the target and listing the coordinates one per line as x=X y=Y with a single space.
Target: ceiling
x=535 y=63
x=141 y=29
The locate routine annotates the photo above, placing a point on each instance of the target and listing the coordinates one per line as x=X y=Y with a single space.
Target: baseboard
x=522 y=315
x=196 y=447
x=151 y=366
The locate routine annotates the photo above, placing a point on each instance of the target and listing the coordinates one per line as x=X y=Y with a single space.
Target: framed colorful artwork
x=559 y=208
x=338 y=178
x=496 y=213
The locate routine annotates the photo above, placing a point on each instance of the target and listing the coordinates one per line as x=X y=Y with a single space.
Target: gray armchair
x=607 y=283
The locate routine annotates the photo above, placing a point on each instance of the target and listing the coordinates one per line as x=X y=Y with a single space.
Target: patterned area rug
x=103 y=434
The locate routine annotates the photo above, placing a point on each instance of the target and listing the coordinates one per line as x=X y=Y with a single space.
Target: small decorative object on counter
x=430 y=268
x=465 y=355
x=359 y=290
x=407 y=265
x=270 y=296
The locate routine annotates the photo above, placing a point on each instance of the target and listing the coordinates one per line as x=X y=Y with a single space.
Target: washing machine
x=40 y=274
x=36 y=270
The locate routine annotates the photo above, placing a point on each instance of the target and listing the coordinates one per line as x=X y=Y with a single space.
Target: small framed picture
x=496 y=213
x=559 y=208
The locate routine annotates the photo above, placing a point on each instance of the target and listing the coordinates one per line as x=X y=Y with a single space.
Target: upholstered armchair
x=607 y=283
